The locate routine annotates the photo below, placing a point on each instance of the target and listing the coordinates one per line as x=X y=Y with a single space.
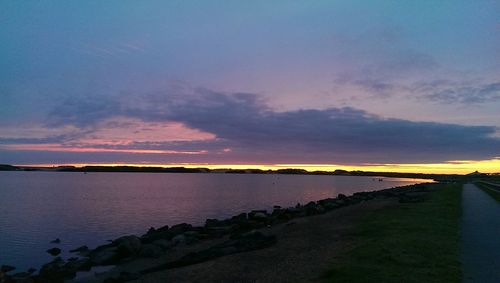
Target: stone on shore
x=151 y=251
x=54 y=251
x=7 y=268
x=81 y=250
x=128 y=245
x=104 y=255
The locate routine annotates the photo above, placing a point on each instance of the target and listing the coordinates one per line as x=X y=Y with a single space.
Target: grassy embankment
x=494 y=193
x=409 y=242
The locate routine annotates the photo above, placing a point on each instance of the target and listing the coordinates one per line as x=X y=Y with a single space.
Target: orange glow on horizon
x=450 y=167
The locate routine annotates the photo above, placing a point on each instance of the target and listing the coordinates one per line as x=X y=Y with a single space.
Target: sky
x=379 y=85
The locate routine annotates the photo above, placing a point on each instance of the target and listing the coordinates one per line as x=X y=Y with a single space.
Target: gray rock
x=52 y=270
x=104 y=255
x=164 y=244
x=81 y=251
x=179 y=239
x=179 y=229
x=246 y=242
x=259 y=215
x=239 y=218
x=56 y=241
x=54 y=251
x=31 y=270
x=7 y=268
x=212 y=223
x=151 y=251
x=128 y=246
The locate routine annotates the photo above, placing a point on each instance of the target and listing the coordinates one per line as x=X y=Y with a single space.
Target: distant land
x=290 y=171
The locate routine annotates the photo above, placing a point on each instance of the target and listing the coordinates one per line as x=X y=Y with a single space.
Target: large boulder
x=258 y=215
x=54 y=251
x=6 y=268
x=155 y=234
x=128 y=245
x=246 y=242
x=164 y=244
x=104 y=255
x=51 y=272
x=151 y=251
x=82 y=250
x=179 y=229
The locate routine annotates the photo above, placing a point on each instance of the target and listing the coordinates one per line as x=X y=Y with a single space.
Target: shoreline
x=225 y=237
x=202 y=170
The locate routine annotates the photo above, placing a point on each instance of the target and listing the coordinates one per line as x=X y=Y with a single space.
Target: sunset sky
x=378 y=85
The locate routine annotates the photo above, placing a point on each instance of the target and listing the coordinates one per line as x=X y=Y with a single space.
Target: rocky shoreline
x=238 y=234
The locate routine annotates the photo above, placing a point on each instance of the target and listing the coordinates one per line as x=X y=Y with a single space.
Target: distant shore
x=289 y=171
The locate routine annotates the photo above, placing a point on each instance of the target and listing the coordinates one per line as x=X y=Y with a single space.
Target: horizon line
x=450 y=167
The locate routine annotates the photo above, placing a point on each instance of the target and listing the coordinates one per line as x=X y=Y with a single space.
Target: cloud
x=444 y=91
x=241 y=128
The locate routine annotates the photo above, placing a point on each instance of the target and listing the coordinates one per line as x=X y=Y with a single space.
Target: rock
x=312 y=208
x=83 y=250
x=58 y=271
x=341 y=196
x=212 y=223
x=164 y=244
x=276 y=211
x=239 y=218
x=104 y=255
x=179 y=229
x=179 y=239
x=219 y=231
x=54 y=251
x=245 y=242
x=31 y=270
x=71 y=267
x=155 y=234
x=151 y=251
x=128 y=246
x=259 y=215
x=152 y=230
x=331 y=205
x=51 y=272
x=7 y=268
x=20 y=275
x=56 y=241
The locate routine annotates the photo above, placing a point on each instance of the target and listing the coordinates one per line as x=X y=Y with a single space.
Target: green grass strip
x=408 y=242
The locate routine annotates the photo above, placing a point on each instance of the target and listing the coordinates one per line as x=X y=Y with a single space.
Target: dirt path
x=305 y=250
x=480 y=236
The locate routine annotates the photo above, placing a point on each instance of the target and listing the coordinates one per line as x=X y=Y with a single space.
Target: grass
x=409 y=242
x=490 y=191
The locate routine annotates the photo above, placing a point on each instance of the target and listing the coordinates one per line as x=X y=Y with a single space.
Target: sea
x=90 y=209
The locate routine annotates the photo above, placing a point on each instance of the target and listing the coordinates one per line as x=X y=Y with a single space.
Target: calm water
x=37 y=207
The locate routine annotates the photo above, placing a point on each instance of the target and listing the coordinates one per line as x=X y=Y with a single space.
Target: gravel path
x=480 y=236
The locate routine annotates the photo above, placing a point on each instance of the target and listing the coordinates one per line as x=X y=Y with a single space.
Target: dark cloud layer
x=257 y=133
